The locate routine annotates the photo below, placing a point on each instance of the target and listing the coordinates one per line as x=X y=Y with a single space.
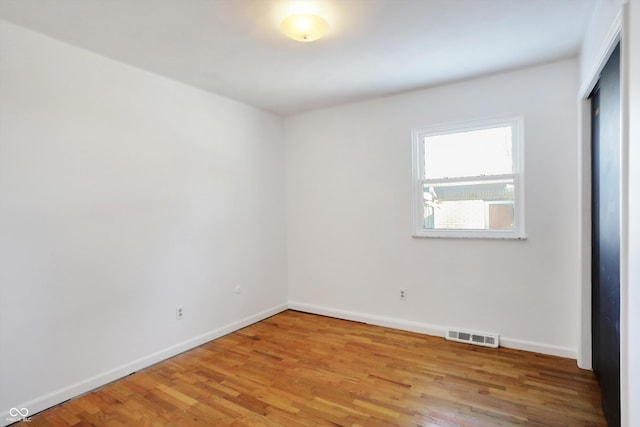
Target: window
x=468 y=179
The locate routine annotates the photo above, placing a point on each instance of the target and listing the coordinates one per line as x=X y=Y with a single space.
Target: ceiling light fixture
x=304 y=28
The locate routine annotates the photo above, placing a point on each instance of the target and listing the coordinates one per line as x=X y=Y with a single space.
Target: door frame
x=618 y=33
x=584 y=196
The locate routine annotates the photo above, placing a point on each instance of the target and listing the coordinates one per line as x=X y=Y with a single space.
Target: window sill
x=469 y=234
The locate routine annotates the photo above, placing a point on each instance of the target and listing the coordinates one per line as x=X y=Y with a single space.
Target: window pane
x=472 y=205
x=472 y=153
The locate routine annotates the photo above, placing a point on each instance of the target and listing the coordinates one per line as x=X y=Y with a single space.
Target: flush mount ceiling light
x=305 y=27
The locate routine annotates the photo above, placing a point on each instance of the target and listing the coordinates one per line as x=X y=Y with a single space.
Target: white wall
x=603 y=27
x=122 y=195
x=349 y=216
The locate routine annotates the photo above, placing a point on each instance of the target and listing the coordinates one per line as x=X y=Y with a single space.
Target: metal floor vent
x=472 y=337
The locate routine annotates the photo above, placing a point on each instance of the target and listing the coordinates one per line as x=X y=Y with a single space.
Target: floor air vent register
x=471 y=337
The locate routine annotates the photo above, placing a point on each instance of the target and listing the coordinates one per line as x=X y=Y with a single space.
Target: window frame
x=418 y=135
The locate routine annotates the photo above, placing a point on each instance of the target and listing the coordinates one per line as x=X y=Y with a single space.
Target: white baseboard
x=428 y=329
x=389 y=322
x=537 y=347
x=43 y=402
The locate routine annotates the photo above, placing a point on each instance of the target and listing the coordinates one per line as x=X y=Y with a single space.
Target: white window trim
x=417 y=152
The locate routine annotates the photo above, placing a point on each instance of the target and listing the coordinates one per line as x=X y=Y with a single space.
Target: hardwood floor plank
x=297 y=369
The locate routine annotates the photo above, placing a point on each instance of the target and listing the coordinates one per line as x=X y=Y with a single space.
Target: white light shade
x=304 y=28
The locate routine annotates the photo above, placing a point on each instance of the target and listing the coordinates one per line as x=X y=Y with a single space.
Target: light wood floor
x=297 y=369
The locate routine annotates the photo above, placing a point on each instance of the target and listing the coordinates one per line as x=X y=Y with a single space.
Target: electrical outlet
x=179 y=312
x=403 y=294
x=238 y=289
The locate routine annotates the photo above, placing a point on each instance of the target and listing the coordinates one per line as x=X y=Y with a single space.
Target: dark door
x=605 y=313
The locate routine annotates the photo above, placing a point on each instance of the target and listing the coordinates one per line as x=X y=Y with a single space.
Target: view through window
x=467 y=180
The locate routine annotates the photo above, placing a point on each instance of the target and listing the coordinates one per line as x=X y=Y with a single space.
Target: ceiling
x=374 y=47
